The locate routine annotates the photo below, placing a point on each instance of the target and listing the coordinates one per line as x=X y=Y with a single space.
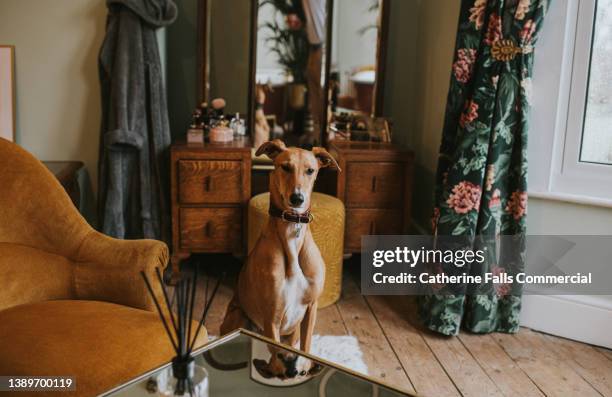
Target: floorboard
x=400 y=352
x=329 y=322
x=591 y=365
x=217 y=310
x=605 y=352
x=423 y=369
x=502 y=370
x=360 y=322
x=553 y=376
x=460 y=365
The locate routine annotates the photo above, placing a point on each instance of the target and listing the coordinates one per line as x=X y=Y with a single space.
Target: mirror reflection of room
x=291 y=36
x=356 y=75
x=353 y=55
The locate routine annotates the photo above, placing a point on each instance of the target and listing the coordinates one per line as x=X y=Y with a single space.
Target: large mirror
x=290 y=77
x=225 y=53
x=294 y=66
x=354 y=66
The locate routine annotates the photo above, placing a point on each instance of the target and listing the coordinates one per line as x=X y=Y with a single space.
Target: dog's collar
x=290 y=216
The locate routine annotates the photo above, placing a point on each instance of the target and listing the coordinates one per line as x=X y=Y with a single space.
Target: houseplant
x=286 y=38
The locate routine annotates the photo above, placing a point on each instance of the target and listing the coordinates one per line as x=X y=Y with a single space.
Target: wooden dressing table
x=211 y=185
x=376 y=187
x=210 y=188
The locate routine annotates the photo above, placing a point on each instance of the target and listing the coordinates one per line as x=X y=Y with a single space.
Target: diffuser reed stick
x=179 y=327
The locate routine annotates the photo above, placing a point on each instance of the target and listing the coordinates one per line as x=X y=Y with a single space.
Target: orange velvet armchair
x=72 y=300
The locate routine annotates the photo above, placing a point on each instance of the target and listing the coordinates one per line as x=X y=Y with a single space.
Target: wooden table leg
x=175 y=263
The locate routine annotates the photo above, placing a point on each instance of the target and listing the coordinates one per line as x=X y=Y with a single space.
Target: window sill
x=572 y=198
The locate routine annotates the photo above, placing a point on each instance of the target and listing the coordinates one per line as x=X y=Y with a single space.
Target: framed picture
x=7 y=92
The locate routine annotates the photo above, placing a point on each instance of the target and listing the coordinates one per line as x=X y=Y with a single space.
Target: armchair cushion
x=69 y=337
x=33 y=275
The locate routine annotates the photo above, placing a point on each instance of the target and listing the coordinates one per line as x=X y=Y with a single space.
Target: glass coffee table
x=231 y=363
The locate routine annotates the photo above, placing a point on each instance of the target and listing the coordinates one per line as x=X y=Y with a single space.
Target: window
x=572 y=107
x=597 y=127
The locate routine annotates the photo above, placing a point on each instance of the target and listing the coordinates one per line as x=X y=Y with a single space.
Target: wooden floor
x=401 y=353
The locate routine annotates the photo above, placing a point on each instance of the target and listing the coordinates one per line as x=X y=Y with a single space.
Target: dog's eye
x=286 y=167
x=310 y=171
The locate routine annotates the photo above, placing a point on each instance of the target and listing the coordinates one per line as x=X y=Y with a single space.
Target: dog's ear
x=325 y=159
x=271 y=148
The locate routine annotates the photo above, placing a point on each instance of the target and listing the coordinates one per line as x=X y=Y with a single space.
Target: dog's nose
x=296 y=199
x=291 y=373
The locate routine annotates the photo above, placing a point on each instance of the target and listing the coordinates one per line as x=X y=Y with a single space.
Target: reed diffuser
x=177 y=321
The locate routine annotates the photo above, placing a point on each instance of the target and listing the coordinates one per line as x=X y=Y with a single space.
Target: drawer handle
x=208 y=183
x=208 y=229
x=372 y=228
x=374 y=184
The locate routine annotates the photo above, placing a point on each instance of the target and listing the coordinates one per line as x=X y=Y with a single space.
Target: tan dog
x=282 y=279
x=262 y=128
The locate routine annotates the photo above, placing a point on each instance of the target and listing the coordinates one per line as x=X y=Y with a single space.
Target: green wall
x=420 y=48
x=181 y=47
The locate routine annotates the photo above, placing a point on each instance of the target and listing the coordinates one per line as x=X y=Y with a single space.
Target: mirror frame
x=203 y=55
x=382 y=42
x=202 y=51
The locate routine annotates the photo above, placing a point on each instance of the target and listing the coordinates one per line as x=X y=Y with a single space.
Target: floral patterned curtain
x=481 y=187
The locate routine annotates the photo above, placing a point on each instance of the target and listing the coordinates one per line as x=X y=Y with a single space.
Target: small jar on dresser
x=210 y=188
x=376 y=187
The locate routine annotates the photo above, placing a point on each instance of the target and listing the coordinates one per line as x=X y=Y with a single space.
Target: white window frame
x=555 y=172
x=560 y=83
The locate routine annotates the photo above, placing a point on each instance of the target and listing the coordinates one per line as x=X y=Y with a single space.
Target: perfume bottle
x=195 y=133
x=238 y=126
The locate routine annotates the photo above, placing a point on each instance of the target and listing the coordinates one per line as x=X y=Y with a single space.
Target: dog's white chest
x=293 y=293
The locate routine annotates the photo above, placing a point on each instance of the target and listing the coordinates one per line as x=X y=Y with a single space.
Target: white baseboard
x=583 y=318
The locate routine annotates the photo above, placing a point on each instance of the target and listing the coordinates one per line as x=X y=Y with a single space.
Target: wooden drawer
x=362 y=222
x=209 y=182
x=210 y=229
x=375 y=185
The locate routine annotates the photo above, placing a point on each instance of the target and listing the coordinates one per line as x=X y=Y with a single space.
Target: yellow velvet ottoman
x=327 y=230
